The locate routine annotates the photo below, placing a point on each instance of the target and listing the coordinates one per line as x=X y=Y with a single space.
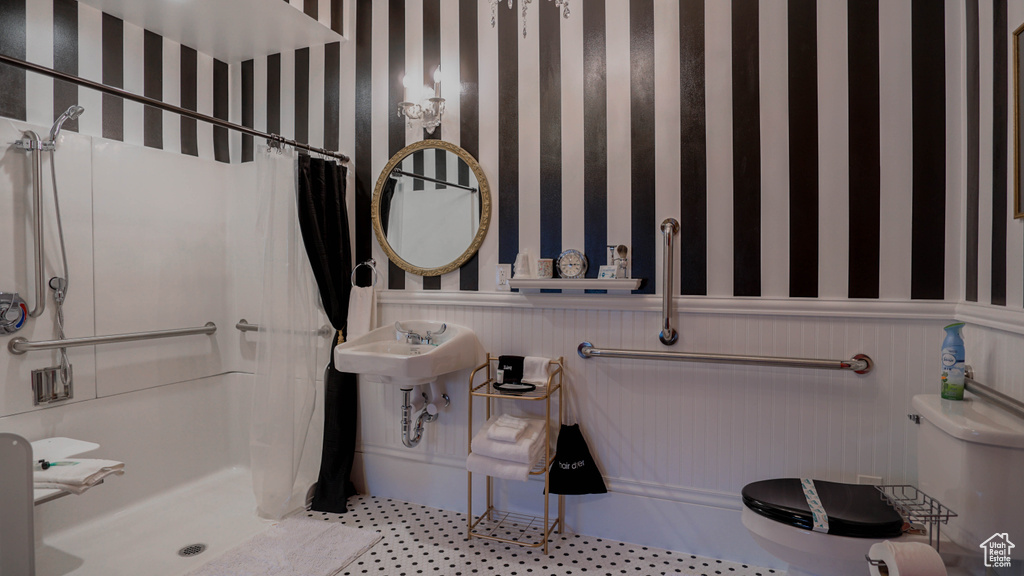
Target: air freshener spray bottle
x=953 y=363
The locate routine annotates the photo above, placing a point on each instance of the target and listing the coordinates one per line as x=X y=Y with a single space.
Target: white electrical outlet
x=866 y=479
x=502 y=272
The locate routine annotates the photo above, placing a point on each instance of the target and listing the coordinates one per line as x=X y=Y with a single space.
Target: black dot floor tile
x=420 y=540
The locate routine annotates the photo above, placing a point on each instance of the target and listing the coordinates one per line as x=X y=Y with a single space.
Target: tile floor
x=422 y=540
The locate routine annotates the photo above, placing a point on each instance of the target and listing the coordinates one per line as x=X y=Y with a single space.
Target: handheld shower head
x=71 y=113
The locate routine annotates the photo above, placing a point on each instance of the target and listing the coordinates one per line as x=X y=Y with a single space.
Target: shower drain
x=192 y=550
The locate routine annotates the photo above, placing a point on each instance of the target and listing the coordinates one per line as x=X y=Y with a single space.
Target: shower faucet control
x=13 y=312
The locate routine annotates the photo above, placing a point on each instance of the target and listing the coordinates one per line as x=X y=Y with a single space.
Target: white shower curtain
x=285 y=438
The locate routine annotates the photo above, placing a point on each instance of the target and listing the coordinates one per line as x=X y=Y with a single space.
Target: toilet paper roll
x=906 y=559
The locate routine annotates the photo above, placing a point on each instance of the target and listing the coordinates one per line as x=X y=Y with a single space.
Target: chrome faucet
x=416 y=338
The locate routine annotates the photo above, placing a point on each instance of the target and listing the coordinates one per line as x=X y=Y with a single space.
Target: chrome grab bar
x=244 y=325
x=991 y=395
x=21 y=345
x=861 y=363
x=668 y=335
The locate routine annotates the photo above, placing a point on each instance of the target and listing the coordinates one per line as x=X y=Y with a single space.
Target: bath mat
x=294 y=547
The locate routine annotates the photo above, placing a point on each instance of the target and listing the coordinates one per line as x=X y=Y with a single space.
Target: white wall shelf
x=229 y=30
x=618 y=285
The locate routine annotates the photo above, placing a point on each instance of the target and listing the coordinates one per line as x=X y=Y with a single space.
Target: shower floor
x=219 y=511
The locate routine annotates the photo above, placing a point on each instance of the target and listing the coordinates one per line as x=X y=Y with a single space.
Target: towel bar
x=243 y=325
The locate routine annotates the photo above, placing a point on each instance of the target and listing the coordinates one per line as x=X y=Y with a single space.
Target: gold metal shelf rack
x=512 y=527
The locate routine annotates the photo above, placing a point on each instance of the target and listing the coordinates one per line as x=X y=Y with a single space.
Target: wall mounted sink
x=384 y=356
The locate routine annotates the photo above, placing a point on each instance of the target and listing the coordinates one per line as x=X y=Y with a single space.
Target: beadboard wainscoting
x=686 y=436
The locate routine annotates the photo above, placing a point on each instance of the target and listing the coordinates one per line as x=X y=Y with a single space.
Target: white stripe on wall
x=451 y=90
x=774 y=72
x=718 y=52
x=316 y=95
x=488 y=78
x=833 y=151
x=573 y=173
x=666 y=130
x=172 y=95
x=90 y=67
x=896 y=116
x=529 y=130
x=134 y=82
x=39 y=49
x=204 y=102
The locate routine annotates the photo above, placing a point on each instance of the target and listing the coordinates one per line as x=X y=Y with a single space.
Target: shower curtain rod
x=18 y=63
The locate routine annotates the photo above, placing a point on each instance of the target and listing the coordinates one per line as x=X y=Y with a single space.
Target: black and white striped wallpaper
x=810 y=149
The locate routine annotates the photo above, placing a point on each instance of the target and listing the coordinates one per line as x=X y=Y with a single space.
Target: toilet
x=970 y=457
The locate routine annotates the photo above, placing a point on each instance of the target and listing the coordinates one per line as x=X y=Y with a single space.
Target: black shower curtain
x=323 y=219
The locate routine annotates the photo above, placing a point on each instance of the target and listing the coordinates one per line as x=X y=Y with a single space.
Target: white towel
x=479 y=464
x=297 y=546
x=507 y=428
x=535 y=370
x=362 y=311
x=526 y=451
x=76 y=475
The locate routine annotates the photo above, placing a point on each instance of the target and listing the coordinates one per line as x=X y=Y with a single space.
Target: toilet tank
x=970 y=457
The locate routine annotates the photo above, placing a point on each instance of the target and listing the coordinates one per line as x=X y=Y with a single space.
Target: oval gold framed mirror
x=431 y=207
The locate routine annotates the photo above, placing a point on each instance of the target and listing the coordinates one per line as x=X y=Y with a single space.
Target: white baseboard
x=700 y=522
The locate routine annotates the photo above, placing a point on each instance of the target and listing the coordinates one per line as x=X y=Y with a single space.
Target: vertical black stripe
x=363 y=137
x=189 y=99
x=332 y=96
x=113 y=75
x=153 y=85
x=642 y=151
x=65 y=57
x=999 y=123
x=311 y=8
x=508 y=136
x=746 y=145
x=973 y=105
x=248 y=107
x=221 y=152
x=803 y=148
x=693 y=171
x=302 y=95
x=431 y=60
x=13 y=34
x=338 y=16
x=396 y=93
x=550 y=132
x=595 y=133
x=274 y=94
x=865 y=150
x=928 y=77
x=469 y=112
x=418 y=168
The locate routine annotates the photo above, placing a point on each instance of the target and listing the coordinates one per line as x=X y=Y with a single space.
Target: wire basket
x=916 y=507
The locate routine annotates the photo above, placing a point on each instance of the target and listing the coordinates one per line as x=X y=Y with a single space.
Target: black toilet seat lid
x=855 y=510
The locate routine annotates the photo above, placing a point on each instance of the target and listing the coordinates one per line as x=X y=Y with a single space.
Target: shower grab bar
x=668 y=335
x=19 y=63
x=244 y=325
x=21 y=345
x=991 y=395
x=861 y=363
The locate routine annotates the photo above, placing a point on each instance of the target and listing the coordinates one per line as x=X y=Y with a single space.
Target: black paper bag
x=574 y=470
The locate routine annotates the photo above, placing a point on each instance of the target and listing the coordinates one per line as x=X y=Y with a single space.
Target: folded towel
x=480 y=464
x=535 y=370
x=362 y=311
x=526 y=451
x=507 y=428
x=76 y=475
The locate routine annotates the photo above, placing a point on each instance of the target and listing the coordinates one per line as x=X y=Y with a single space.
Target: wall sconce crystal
x=428 y=111
x=563 y=5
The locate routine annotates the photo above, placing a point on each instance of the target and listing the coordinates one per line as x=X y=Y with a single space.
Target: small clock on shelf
x=572 y=264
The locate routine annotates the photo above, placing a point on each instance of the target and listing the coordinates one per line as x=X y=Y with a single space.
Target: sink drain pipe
x=412 y=433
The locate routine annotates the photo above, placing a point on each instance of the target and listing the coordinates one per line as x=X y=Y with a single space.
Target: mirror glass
x=431 y=207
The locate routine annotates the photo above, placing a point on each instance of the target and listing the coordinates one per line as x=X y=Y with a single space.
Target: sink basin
x=383 y=355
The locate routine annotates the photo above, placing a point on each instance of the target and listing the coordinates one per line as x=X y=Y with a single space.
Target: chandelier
x=563 y=4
